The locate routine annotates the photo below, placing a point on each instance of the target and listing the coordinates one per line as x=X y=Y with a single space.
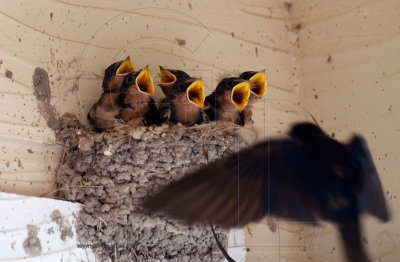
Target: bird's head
x=109 y=73
x=235 y=89
x=305 y=131
x=191 y=88
x=140 y=81
x=258 y=82
x=168 y=77
x=115 y=73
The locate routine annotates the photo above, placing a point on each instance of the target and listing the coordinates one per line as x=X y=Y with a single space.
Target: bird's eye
x=130 y=79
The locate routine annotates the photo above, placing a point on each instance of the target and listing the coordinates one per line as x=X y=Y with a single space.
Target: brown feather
x=103 y=114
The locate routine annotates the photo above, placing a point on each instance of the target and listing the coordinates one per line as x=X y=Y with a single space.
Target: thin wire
x=221 y=247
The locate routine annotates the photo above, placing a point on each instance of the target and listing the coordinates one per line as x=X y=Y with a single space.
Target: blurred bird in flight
x=306 y=177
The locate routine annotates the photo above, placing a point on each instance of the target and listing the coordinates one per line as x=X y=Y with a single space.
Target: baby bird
x=169 y=77
x=184 y=103
x=258 y=88
x=228 y=100
x=115 y=73
x=136 y=100
x=103 y=114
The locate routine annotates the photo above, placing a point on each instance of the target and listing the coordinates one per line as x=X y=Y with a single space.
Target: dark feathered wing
x=210 y=106
x=151 y=117
x=240 y=189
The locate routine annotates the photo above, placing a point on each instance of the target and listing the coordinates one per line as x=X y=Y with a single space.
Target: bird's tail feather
x=351 y=235
x=372 y=199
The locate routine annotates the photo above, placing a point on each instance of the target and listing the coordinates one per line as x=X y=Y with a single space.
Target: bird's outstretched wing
x=241 y=188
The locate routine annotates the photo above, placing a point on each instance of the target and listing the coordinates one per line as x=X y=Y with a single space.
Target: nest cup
x=112 y=173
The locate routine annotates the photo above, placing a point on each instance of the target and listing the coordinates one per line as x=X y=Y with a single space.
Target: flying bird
x=103 y=114
x=258 y=89
x=137 y=104
x=306 y=177
x=228 y=100
x=184 y=102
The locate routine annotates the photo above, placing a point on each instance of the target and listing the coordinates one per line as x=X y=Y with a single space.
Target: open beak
x=167 y=80
x=166 y=76
x=259 y=84
x=240 y=95
x=144 y=82
x=195 y=93
x=125 y=67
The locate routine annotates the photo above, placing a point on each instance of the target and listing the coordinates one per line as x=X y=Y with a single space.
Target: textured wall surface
x=338 y=60
x=348 y=60
x=75 y=40
x=349 y=68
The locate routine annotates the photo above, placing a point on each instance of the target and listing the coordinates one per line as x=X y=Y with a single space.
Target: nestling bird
x=115 y=73
x=307 y=177
x=258 y=88
x=184 y=103
x=103 y=114
x=136 y=100
x=228 y=100
x=169 y=77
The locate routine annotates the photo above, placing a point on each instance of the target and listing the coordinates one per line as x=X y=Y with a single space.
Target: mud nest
x=111 y=174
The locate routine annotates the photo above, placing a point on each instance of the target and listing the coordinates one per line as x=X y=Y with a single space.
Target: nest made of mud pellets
x=111 y=173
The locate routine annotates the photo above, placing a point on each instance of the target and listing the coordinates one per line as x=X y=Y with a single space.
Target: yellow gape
x=125 y=67
x=166 y=76
x=144 y=82
x=195 y=93
x=240 y=95
x=259 y=84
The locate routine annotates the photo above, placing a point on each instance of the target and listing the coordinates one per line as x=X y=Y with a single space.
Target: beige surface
x=357 y=90
x=348 y=57
x=75 y=40
x=340 y=60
